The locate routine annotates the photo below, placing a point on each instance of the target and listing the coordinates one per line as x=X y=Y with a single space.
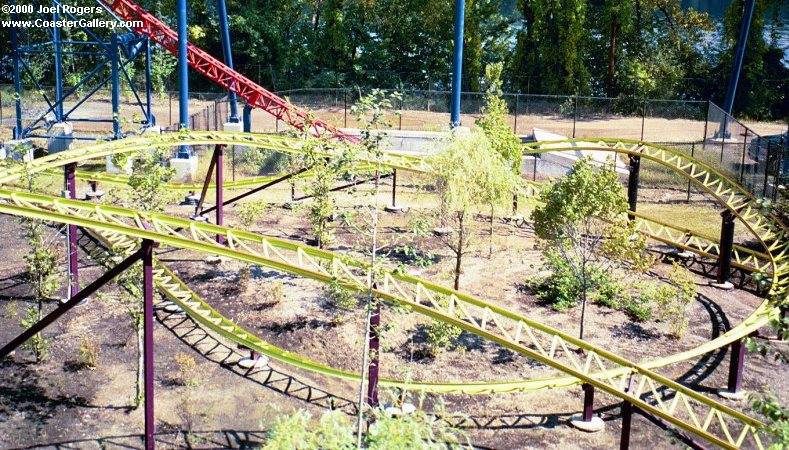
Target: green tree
x=471 y=174
x=582 y=220
x=551 y=46
x=762 y=61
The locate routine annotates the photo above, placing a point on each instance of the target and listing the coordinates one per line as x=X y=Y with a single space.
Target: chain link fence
x=697 y=128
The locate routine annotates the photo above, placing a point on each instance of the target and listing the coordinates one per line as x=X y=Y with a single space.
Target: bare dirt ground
x=41 y=404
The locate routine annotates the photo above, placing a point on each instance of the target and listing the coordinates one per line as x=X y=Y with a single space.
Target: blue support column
x=457 y=68
x=739 y=54
x=150 y=119
x=228 y=52
x=115 y=86
x=183 y=75
x=58 y=66
x=17 y=134
x=247 y=119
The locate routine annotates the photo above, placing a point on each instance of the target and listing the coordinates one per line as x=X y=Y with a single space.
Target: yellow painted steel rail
x=674 y=403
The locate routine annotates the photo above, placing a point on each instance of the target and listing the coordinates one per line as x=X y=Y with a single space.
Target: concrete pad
x=249 y=363
x=730 y=395
x=185 y=169
x=173 y=308
x=726 y=286
x=566 y=159
x=592 y=426
x=61 y=137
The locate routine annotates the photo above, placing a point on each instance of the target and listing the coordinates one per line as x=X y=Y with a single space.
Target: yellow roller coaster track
x=577 y=360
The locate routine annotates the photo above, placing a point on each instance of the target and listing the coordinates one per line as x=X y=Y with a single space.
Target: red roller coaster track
x=224 y=76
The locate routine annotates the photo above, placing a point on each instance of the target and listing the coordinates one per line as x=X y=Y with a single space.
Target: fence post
x=706 y=124
x=401 y=114
x=643 y=117
x=692 y=152
x=345 y=108
x=515 y=126
x=170 y=116
x=575 y=112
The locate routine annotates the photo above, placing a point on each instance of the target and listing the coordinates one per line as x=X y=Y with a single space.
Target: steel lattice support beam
x=218 y=72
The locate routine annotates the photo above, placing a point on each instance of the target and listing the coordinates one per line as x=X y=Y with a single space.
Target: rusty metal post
x=73 y=255
x=375 y=357
x=220 y=189
x=632 y=184
x=726 y=246
x=147 y=277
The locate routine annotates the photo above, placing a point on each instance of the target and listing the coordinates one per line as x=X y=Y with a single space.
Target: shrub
x=187 y=370
x=639 y=305
x=608 y=293
x=441 y=335
x=38 y=344
x=274 y=293
x=333 y=431
x=777 y=417
x=673 y=307
x=341 y=298
x=88 y=353
x=561 y=288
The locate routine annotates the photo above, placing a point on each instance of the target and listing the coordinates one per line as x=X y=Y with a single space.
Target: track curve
x=600 y=368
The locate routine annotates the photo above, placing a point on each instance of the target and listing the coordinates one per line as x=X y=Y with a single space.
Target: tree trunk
x=138 y=393
x=459 y=251
x=490 y=227
x=583 y=313
x=612 y=57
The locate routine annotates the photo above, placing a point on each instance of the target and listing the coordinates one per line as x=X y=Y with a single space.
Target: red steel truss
x=219 y=73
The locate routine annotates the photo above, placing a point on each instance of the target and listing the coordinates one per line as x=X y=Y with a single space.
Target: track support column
x=393 y=207
x=632 y=184
x=116 y=86
x=147 y=283
x=627 y=422
x=457 y=65
x=247 y=118
x=375 y=357
x=73 y=250
x=587 y=421
x=220 y=188
x=736 y=366
x=726 y=246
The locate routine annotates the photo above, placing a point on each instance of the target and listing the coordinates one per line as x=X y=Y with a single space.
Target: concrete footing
x=732 y=395
x=249 y=363
x=185 y=169
x=726 y=285
x=61 y=137
x=591 y=426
